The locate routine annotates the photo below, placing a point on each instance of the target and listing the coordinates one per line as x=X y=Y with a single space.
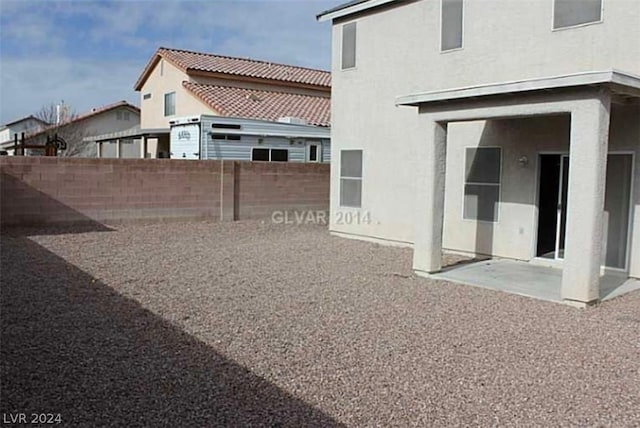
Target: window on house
x=568 y=13
x=170 y=104
x=482 y=183
x=270 y=155
x=451 y=24
x=349 y=45
x=146 y=96
x=123 y=115
x=351 y=178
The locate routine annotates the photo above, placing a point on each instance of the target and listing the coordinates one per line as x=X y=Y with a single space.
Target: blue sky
x=90 y=53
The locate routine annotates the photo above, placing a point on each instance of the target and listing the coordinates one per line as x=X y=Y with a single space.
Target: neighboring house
x=178 y=83
x=503 y=128
x=219 y=137
x=28 y=125
x=75 y=131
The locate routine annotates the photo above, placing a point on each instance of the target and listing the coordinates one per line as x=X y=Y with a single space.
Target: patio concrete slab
x=526 y=279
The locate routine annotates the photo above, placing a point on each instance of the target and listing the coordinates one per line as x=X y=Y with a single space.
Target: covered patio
x=587 y=99
x=132 y=143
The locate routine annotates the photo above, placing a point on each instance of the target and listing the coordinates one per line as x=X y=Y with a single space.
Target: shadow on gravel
x=73 y=346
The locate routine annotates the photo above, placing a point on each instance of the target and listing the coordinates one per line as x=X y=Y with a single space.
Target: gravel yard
x=252 y=324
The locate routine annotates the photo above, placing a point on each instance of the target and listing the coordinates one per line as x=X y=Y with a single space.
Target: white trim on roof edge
x=352 y=9
x=569 y=80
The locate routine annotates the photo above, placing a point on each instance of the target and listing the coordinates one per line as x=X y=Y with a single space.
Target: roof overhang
x=625 y=84
x=350 y=8
x=128 y=134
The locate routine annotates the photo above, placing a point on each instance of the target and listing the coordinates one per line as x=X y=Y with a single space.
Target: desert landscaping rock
x=255 y=324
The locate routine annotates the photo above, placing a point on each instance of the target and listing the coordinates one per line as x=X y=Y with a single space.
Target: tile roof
x=87 y=115
x=24 y=119
x=260 y=104
x=189 y=61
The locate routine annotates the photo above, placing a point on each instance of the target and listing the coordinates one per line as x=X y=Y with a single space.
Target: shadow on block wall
x=72 y=345
x=23 y=205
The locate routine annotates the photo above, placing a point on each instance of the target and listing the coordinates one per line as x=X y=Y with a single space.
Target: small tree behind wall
x=65 y=124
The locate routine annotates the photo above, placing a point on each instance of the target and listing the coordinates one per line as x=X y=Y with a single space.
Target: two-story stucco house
x=492 y=127
x=180 y=87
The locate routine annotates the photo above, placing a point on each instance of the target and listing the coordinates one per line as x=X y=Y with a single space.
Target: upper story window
x=170 y=104
x=451 y=24
x=569 y=13
x=348 y=45
x=123 y=115
x=146 y=96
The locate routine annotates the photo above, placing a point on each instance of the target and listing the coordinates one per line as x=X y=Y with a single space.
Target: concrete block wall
x=262 y=188
x=45 y=190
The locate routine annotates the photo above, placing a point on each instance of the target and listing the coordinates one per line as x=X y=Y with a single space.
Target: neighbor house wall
x=98 y=124
x=165 y=78
x=398 y=53
x=27 y=126
x=47 y=190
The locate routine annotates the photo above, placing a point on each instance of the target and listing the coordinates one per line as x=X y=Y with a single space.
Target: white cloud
x=29 y=84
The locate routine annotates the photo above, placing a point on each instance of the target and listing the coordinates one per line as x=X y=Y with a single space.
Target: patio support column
x=585 y=205
x=143 y=146
x=430 y=181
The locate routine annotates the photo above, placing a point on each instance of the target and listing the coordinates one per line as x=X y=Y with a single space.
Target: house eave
x=345 y=10
x=625 y=82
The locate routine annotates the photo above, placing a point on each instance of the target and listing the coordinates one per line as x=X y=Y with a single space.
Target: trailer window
x=260 y=155
x=270 y=155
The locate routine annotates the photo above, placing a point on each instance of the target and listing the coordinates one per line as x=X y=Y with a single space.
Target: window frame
x=355 y=46
x=570 y=27
x=440 y=28
x=341 y=177
x=123 y=115
x=318 y=146
x=165 y=104
x=473 y=183
x=215 y=136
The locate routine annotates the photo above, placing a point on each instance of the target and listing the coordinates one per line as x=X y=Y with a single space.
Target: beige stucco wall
x=165 y=78
x=398 y=54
